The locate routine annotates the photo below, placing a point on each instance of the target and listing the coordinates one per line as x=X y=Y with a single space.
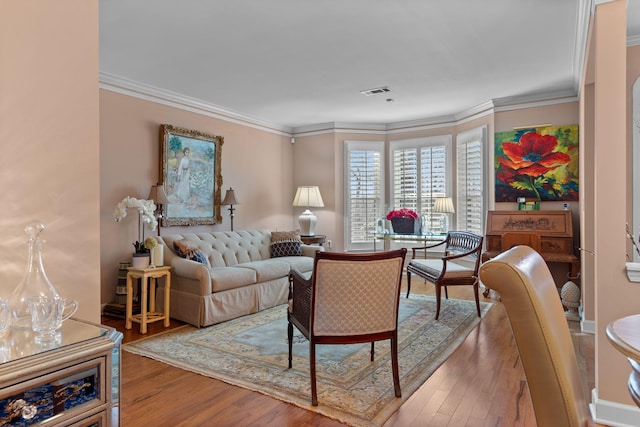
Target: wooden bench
x=458 y=266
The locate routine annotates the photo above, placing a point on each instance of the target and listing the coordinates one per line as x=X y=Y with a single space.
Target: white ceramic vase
x=140 y=260
x=157 y=256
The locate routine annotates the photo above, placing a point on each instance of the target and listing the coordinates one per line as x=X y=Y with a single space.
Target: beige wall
x=50 y=147
x=257 y=164
x=614 y=295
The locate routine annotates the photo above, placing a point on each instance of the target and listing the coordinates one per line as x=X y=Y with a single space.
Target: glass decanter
x=35 y=282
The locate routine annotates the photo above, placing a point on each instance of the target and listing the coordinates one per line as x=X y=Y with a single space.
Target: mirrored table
x=73 y=381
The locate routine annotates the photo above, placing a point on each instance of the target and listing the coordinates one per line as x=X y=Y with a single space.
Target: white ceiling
x=294 y=63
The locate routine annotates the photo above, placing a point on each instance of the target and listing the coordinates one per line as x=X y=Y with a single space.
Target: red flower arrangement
x=402 y=213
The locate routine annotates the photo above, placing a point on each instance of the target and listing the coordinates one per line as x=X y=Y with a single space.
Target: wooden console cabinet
x=549 y=232
x=75 y=382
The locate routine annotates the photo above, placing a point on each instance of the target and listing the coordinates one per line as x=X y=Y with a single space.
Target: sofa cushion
x=225 y=278
x=188 y=250
x=280 y=249
x=301 y=264
x=268 y=269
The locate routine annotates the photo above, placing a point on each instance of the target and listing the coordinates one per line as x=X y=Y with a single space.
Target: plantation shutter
x=420 y=172
x=470 y=179
x=364 y=192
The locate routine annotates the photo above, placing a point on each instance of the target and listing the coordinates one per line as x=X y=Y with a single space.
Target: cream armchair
x=350 y=298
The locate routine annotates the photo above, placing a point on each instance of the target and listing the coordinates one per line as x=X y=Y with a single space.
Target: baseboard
x=588 y=326
x=613 y=413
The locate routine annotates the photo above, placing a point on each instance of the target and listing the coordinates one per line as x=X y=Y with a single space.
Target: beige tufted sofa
x=241 y=277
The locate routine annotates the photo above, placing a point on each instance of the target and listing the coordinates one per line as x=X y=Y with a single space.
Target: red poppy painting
x=537 y=163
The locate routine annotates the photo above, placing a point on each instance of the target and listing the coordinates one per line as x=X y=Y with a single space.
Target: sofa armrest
x=310 y=250
x=192 y=270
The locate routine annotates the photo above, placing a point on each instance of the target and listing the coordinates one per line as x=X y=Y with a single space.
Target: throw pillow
x=190 y=251
x=280 y=249
x=286 y=243
x=285 y=236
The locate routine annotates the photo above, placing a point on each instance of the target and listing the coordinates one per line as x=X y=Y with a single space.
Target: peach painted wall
x=49 y=133
x=256 y=163
x=314 y=160
x=615 y=296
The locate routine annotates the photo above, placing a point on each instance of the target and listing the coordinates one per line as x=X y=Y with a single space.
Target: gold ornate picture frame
x=191 y=172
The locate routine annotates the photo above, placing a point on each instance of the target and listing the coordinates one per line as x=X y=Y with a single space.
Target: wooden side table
x=318 y=239
x=150 y=315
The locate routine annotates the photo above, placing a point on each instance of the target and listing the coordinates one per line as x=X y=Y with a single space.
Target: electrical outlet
x=329 y=243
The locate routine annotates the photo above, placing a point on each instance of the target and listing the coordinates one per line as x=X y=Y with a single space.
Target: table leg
x=143 y=305
x=167 y=287
x=129 y=311
x=152 y=295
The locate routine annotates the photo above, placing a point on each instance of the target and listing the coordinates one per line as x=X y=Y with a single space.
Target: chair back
x=356 y=294
x=465 y=242
x=542 y=335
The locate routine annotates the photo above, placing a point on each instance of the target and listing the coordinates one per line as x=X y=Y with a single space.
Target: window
x=364 y=193
x=420 y=172
x=470 y=206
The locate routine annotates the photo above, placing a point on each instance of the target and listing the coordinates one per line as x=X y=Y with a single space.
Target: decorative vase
x=157 y=256
x=140 y=261
x=35 y=283
x=403 y=225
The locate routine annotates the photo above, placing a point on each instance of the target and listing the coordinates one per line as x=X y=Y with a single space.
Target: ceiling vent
x=369 y=92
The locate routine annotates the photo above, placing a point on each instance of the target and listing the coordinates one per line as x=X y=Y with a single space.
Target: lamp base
x=307 y=223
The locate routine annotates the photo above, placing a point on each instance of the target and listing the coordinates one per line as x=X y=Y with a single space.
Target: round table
x=624 y=335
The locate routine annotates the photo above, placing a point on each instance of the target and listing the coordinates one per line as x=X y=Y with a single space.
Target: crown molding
x=584 y=13
x=534 y=100
x=150 y=93
x=139 y=90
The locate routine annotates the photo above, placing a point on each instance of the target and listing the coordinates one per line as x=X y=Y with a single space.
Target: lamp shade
x=444 y=205
x=158 y=195
x=230 y=197
x=308 y=196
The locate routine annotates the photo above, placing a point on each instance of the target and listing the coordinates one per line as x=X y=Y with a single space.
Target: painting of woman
x=182 y=188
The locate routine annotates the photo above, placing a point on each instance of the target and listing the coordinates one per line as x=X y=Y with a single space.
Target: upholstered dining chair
x=542 y=335
x=349 y=298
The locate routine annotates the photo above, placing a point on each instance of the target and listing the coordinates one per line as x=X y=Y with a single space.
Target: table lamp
x=444 y=205
x=230 y=200
x=308 y=196
x=159 y=197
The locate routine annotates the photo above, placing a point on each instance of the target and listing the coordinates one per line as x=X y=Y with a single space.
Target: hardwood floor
x=481 y=384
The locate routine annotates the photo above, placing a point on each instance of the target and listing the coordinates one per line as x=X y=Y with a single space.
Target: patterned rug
x=251 y=352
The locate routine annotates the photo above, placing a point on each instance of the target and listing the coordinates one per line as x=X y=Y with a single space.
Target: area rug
x=251 y=352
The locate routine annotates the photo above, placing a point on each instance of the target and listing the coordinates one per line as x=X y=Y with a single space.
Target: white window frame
x=463 y=138
x=376 y=146
x=418 y=143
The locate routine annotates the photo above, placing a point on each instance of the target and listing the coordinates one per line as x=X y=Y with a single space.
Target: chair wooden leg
x=475 y=291
x=312 y=369
x=290 y=339
x=394 y=366
x=438 y=292
x=408 y=283
x=372 y=349
x=446 y=293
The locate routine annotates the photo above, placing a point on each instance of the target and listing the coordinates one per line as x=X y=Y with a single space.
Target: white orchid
x=146 y=209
